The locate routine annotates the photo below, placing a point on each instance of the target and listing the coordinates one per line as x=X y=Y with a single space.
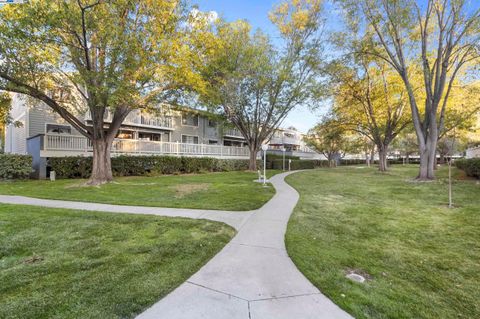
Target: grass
x=70 y=264
x=222 y=191
x=422 y=258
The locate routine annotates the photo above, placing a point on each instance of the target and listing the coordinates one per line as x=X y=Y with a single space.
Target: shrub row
x=81 y=167
x=299 y=164
x=471 y=166
x=15 y=166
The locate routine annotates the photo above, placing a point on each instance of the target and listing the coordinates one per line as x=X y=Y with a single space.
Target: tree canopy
x=438 y=38
x=96 y=56
x=256 y=84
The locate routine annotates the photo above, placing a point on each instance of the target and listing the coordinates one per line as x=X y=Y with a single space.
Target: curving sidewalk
x=232 y=218
x=252 y=277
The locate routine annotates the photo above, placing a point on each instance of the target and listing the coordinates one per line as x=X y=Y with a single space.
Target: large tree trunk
x=432 y=141
x=382 y=158
x=427 y=163
x=332 y=160
x=428 y=154
x=252 y=165
x=102 y=165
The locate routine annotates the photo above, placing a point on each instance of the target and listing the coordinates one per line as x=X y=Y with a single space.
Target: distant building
x=292 y=141
x=473 y=152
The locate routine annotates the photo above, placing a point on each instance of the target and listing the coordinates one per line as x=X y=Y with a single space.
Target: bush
x=299 y=164
x=71 y=167
x=471 y=166
x=277 y=157
x=15 y=166
x=81 y=167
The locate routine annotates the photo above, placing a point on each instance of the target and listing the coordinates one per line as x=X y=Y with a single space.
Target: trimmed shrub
x=470 y=166
x=81 y=167
x=299 y=164
x=71 y=167
x=14 y=166
x=275 y=157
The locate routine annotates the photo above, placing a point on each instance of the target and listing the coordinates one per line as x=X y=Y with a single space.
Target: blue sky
x=256 y=12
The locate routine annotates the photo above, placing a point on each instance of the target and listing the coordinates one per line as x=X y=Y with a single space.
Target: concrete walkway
x=234 y=219
x=251 y=278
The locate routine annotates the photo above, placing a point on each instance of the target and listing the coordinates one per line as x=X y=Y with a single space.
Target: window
x=190 y=119
x=212 y=142
x=58 y=129
x=189 y=139
x=232 y=143
x=150 y=137
x=122 y=134
x=212 y=123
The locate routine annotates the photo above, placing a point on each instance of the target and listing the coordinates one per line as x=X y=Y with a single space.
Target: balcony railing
x=79 y=144
x=139 y=120
x=233 y=132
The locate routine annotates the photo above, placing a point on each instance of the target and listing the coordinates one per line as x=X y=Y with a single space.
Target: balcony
x=63 y=145
x=142 y=120
x=279 y=138
x=233 y=132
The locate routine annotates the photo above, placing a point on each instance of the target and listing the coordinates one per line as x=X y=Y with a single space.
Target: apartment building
x=44 y=134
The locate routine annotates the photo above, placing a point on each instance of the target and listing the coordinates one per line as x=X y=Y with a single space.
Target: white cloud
x=208 y=16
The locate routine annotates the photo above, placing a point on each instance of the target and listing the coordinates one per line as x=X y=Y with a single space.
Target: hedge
x=15 y=166
x=81 y=167
x=471 y=166
x=299 y=164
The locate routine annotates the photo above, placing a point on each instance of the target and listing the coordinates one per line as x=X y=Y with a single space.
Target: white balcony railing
x=136 y=119
x=79 y=144
x=233 y=132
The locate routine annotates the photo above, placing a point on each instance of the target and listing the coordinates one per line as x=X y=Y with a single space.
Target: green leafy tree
x=330 y=138
x=406 y=144
x=96 y=56
x=254 y=84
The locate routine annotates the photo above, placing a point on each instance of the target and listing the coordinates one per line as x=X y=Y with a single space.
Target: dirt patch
x=81 y=185
x=360 y=272
x=33 y=259
x=183 y=190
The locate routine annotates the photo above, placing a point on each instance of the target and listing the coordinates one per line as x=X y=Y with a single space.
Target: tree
x=460 y=119
x=5 y=105
x=255 y=85
x=406 y=144
x=330 y=138
x=370 y=100
x=95 y=56
x=441 y=39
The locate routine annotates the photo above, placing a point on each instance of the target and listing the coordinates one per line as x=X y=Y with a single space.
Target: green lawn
x=75 y=264
x=422 y=258
x=222 y=191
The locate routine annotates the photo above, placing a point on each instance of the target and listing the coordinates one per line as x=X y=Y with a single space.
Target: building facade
x=473 y=152
x=44 y=134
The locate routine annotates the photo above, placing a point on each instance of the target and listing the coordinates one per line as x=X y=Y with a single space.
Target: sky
x=256 y=13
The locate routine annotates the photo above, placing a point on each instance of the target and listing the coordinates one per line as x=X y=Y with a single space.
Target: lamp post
x=283 y=151
x=264 y=149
